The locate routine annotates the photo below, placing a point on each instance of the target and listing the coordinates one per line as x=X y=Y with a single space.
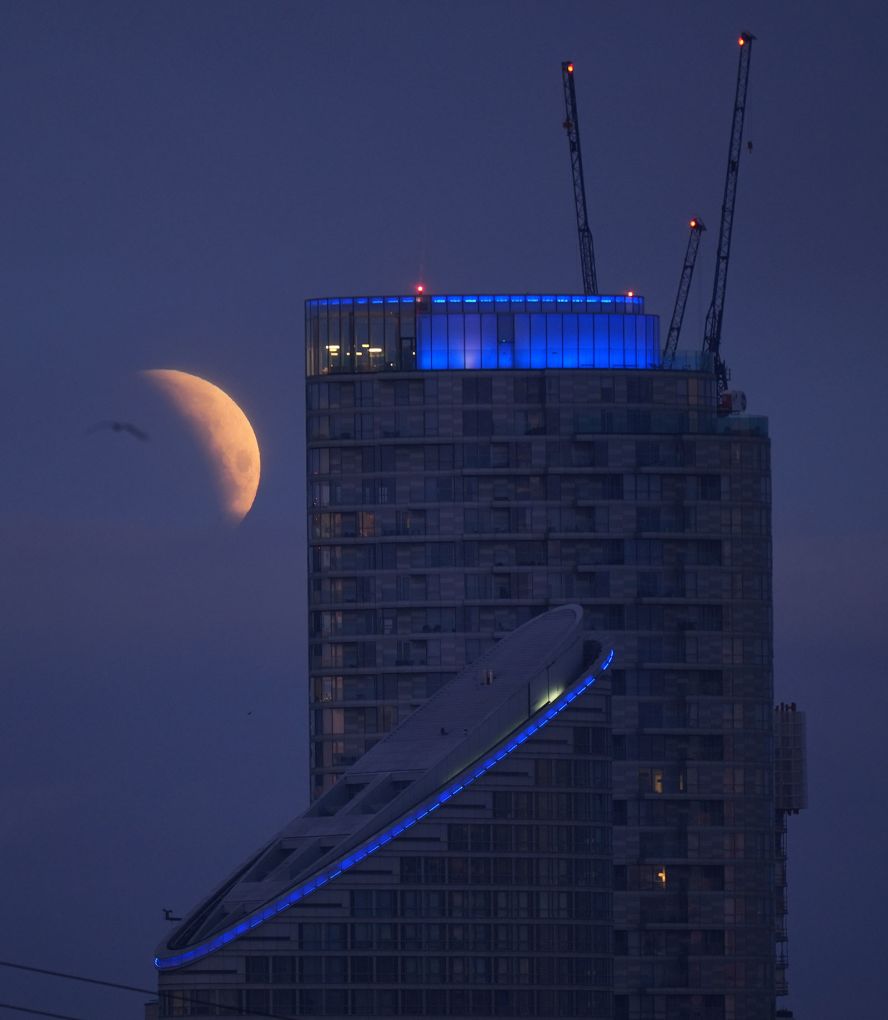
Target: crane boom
x=684 y=286
x=713 y=329
x=571 y=126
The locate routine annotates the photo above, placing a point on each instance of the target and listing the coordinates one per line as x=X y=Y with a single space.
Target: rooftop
x=514 y=690
x=476 y=331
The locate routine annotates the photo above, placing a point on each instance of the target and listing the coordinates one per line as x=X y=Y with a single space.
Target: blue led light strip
x=377 y=842
x=471 y=299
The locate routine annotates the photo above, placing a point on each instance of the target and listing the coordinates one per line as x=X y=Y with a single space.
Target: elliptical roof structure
x=462 y=732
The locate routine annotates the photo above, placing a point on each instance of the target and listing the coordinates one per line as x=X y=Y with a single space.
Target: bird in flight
x=120 y=426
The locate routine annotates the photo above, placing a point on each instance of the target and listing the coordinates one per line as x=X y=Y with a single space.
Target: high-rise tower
x=476 y=459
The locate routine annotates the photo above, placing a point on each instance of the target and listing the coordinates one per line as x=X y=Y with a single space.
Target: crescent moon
x=222 y=429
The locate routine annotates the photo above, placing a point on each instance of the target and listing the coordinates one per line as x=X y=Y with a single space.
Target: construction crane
x=684 y=286
x=571 y=126
x=713 y=329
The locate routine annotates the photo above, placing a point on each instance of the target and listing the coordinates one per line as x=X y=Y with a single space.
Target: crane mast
x=684 y=287
x=713 y=329
x=571 y=126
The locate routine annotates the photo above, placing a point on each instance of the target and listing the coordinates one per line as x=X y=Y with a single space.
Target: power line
x=38 y=1012
x=192 y=998
x=78 y=977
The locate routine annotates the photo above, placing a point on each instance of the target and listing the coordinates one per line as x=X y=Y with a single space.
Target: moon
x=222 y=429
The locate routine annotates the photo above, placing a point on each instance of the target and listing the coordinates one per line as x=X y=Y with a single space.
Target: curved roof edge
x=518 y=686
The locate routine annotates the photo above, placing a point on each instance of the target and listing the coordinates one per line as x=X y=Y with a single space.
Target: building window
x=256 y=970
x=256 y=1000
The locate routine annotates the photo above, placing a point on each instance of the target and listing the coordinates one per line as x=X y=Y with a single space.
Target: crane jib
x=571 y=126
x=715 y=315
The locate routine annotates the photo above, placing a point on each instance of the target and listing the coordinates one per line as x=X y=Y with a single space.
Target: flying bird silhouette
x=120 y=426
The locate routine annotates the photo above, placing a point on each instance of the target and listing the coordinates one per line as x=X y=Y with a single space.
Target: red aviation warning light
x=570 y=69
x=420 y=288
x=741 y=41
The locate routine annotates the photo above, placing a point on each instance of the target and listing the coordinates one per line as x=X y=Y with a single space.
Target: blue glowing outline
x=447 y=299
x=270 y=910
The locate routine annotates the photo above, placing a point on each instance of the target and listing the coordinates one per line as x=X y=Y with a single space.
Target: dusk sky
x=177 y=178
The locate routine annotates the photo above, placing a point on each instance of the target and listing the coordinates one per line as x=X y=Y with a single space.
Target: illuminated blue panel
x=587 y=348
x=537 y=341
x=617 y=354
x=570 y=338
x=505 y=353
x=602 y=342
x=554 y=349
x=522 y=340
x=439 y=342
x=488 y=340
x=456 y=355
x=652 y=339
x=355 y=857
x=630 y=342
x=473 y=340
x=424 y=342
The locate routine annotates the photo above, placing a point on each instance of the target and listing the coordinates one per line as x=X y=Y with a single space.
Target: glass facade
x=397 y=334
x=448 y=506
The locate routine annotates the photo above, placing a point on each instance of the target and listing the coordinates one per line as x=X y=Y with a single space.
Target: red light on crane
x=693 y=224
x=741 y=41
x=570 y=69
x=420 y=288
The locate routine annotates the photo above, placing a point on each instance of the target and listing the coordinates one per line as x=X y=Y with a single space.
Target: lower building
x=461 y=867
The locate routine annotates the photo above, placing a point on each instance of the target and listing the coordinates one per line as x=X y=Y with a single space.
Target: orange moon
x=222 y=429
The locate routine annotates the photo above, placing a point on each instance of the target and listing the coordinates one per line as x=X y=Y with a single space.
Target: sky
x=176 y=179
